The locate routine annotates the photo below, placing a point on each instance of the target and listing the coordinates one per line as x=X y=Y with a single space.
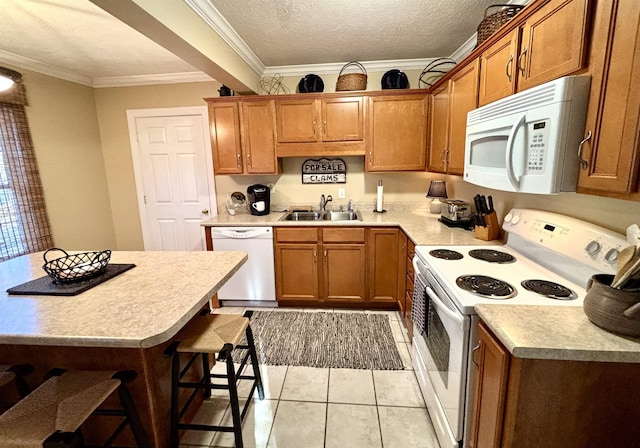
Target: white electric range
x=552 y=253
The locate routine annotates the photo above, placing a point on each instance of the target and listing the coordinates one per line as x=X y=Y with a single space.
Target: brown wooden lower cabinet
x=549 y=403
x=337 y=266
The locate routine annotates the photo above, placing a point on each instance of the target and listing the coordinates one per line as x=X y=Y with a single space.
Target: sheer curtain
x=24 y=225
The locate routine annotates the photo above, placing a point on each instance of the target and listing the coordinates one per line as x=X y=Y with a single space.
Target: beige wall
x=112 y=105
x=64 y=127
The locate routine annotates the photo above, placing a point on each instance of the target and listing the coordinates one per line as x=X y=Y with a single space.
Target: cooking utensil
x=633 y=235
x=629 y=269
x=625 y=256
x=491 y=209
x=483 y=204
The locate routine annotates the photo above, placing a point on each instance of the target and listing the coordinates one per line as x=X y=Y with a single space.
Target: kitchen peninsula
x=123 y=323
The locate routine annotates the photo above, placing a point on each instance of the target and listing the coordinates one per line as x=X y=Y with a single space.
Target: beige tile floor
x=307 y=407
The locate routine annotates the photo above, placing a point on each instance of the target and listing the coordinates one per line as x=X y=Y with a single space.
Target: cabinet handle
x=506 y=67
x=313 y=124
x=583 y=163
x=324 y=128
x=239 y=159
x=325 y=255
x=315 y=256
x=520 y=66
x=474 y=352
x=443 y=153
x=370 y=158
x=249 y=160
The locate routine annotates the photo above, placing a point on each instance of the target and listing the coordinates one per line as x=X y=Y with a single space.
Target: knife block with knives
x=485 y=219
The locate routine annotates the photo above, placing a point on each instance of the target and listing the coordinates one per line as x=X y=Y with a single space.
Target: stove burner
x=492 y=256
x=549 y=289
x=446 y=254
x=488 y=287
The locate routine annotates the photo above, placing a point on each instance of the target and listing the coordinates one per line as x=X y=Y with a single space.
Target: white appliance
x=529 y=142
x=552 y=252
x=255 y=280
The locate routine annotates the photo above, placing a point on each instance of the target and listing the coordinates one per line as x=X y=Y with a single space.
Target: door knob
x=205 y=212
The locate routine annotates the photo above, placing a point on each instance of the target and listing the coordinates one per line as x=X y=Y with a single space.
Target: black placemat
x=44 y=286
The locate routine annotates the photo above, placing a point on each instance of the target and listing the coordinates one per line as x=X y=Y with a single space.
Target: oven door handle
x=457 y=318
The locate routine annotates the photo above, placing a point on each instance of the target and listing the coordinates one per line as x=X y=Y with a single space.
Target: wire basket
x=76 y=267
x=492 y=22
x=434 y=71
x=352 y=81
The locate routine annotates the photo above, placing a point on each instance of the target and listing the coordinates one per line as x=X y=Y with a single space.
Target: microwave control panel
x=538 y=138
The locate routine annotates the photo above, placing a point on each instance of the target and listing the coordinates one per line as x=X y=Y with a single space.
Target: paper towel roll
x=379 y=199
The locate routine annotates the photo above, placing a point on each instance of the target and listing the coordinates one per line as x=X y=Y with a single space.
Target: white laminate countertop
x=139 y=308
x=560 y=332
x=421 y=226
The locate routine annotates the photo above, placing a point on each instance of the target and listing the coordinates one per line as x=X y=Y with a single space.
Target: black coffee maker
x=259 y=199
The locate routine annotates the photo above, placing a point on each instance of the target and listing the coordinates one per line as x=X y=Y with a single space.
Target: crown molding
x=215 y=20
x=45 y=69
x=145 y=80
x=465 y=49
x=333 y=68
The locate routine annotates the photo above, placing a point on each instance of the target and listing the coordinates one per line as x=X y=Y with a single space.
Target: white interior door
x=175 y=180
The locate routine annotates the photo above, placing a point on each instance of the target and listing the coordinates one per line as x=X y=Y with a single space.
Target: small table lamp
x=437 y=190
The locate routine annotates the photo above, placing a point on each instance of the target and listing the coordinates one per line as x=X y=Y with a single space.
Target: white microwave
x=529 y=142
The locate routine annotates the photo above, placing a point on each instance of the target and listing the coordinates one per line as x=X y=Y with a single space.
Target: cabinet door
x=498 y=69
x=258 y=140
x=398 y=133
x=343 y=272
x=613 y=115
x=402 y=271
x=463 y=93
x=439 y=129
x=492 y=364
x=297 y=121
x=225 y=138
x=382 y=245
x=554 y=42
x=296 y=272
x=342 y=119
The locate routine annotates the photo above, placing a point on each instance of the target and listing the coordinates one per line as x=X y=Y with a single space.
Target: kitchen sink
x=322 y=216
x=341 y=216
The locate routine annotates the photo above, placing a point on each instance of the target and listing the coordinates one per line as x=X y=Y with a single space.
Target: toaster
x=455 y=210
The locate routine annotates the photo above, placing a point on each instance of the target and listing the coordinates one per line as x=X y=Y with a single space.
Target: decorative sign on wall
x=324 y=171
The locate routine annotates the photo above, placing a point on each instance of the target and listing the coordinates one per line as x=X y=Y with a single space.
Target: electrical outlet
x=341 y=193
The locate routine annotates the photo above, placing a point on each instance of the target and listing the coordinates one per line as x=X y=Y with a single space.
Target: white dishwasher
x=255 y=280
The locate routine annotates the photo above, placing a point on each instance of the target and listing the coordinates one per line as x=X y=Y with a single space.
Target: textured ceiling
x=294 y=32
x=78 y=36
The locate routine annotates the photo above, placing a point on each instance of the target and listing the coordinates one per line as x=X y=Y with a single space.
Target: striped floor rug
x=337 y=340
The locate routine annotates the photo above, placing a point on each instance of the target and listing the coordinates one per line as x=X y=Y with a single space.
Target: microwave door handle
x=509 y=156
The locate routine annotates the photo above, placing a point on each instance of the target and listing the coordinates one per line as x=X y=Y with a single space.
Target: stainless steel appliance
x=259 y=197
x=455 y=210
x=255 y=280
x=547 y=260
x=529 y=142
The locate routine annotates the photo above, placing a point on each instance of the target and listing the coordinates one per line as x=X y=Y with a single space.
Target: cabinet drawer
x=410 y=270
x=296 y=235
x=410 y=285
x=343 y=235
x=411 y=250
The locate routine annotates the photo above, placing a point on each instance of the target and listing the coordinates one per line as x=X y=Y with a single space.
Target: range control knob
x=611 y=256
x=593 y=247
x=508 y=218
x=515 y=219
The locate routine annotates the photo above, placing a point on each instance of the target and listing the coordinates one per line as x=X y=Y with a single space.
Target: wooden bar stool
x=15 y=374
x=52 y=414
x=213 y=333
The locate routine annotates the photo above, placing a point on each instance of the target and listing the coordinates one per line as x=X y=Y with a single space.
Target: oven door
x=443 y=346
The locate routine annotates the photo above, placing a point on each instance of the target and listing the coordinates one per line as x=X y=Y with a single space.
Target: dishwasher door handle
x=240 y=234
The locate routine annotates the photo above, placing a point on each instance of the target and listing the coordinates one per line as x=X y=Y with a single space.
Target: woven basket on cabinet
x=491 y=23
x=352 y=81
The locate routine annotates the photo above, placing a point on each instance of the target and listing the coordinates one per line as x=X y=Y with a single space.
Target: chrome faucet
x=323 y=202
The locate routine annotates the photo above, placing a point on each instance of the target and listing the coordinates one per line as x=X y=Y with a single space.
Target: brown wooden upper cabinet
x=242 y=137
x=610 y=149
x=449 y=106
x=307 y=126
x=549 y=43
x=397 y=132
